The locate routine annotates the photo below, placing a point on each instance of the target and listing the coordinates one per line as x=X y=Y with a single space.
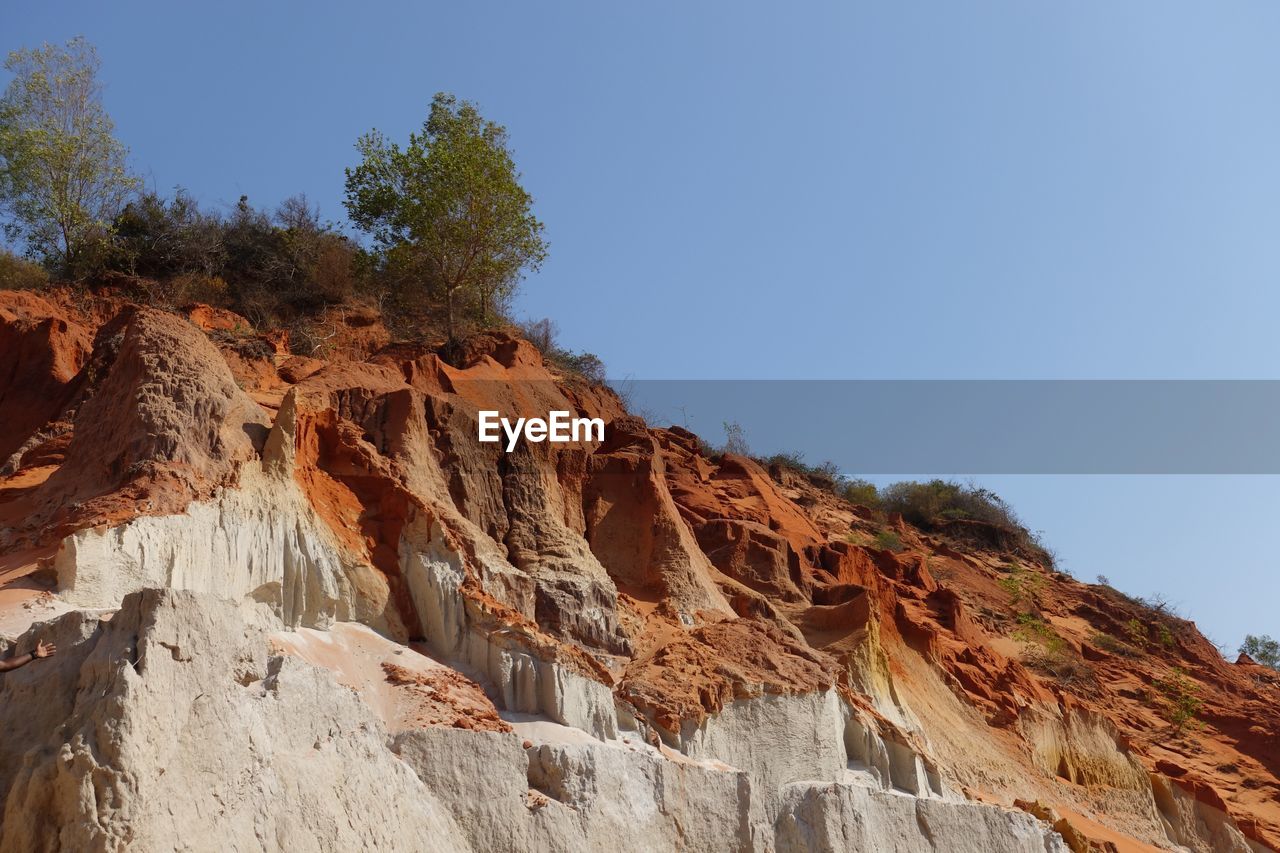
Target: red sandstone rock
x=682 y=582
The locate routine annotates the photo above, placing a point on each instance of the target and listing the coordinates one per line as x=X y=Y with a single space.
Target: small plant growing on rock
x=1021 y=585
x=1111 y=644
x=861 y=538
x=1137 y=633
x=1181 y=697
x=1033 y=629
x=1049 y=653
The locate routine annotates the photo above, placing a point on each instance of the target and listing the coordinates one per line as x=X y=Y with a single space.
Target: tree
x=62 y=172
x=1263 y=649
x=451 y=206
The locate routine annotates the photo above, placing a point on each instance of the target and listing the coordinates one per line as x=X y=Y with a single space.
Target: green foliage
x=62 y=171
x=936 y=502
x=448 y=211
x=1021 y=584
x=887 y=540
x=1033 y=629
x=1262 y=649
x=160 y=239
x=928 y=503
x=288 y=263
x=1181 y=698
x=791 y=460
x=1165 y=636
x=825 y=475
x=1115 y=646
x=1137 y=633
x=19 y=274
x=586 y=364
x=269 y=267
x=860 y=492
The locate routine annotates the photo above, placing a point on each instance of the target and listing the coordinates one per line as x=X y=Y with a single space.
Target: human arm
x=42 y=650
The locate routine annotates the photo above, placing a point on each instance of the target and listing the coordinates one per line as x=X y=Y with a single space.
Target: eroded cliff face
x=299 y=606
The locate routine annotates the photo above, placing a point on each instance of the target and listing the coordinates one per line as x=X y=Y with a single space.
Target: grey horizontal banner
x=946 y=427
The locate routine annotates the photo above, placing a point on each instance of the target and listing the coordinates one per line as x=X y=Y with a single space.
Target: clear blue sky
x=842 y=190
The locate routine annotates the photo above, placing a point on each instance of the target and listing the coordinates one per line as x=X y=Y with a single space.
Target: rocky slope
x=300 y=607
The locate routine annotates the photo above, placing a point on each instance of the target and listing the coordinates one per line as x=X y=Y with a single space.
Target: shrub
x=585 y=364
x=253 y=249
x=1049 y=653
x=861 y=492
x=289 y=264
x=1161 y=605
x=788 y=459
x=1137 y=633
x=1021 y=585
x=1262 y=649
x=929 y=503
x=197 y=287
x=1058 y=663
x=826 y=475
x=936 y=502
x=19 y=274
x=1181 y=698
x=1108 y=643
x=159 y=239
x=544 y=334
x=274 y=267
x=1033 y=629
x=887 y=540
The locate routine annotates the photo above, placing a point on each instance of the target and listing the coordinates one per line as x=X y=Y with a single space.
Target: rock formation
x=299 y=607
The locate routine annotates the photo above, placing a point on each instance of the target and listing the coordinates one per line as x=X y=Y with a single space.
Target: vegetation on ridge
x=453 y=230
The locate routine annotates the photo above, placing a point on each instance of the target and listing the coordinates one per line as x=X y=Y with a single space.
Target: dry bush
x=19 y=274
x=197 y=287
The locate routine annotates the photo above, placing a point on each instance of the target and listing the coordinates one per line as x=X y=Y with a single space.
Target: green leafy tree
x=62 y=171
x=449 y=206
x=1262 y=649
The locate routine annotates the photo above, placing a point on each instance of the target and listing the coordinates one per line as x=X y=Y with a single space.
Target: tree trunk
x=67 y=268
x=448 y=297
